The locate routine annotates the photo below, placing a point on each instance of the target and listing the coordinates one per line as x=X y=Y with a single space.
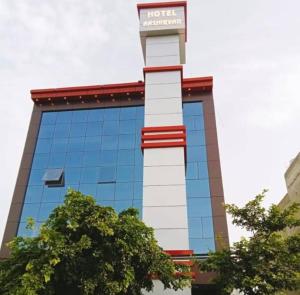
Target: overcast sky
x=250 y=47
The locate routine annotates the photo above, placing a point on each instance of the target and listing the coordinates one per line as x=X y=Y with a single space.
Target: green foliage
x=267 y=262
x=84 y=248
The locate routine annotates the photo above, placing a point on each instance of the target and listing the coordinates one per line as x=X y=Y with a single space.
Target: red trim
x=179 y=252
x=135 y=89
x=163 y=69
x=164 y=5
x=163 y=140
x=163 y=128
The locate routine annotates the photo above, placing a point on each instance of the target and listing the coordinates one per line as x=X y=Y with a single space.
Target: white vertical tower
x=163 y=33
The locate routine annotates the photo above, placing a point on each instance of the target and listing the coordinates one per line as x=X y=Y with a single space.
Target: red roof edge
x=136 y=89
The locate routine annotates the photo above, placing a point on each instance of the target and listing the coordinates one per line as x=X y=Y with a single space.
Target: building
x=292 y=180
x=152 y=145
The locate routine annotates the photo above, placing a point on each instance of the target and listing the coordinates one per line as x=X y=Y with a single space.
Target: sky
x=250 y=47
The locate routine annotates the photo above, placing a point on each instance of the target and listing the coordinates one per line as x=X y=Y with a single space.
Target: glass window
x=76 y=144
x=72 y=176
x=198 y=207
x=64 y=117
x=198 y=188
x=36 y=176
x=202 y=246
x=195 y=138
x=195 y=228
x=53 y=195
x=59 y=145
x=208 y=228
x=126 y=157
x=34 y=194
x=110 y=142
x=95 y=115
x=78 y=129
x=193 y=109
x=110 y=127
x=196 y=154
x=46 y=131
x=40 y=161
x=108 y=158
x=139 y=113
x=127 y=127
x=62 y=130
x=57 y=160
x=124 y=191
x=89 y=175
x=126 y=141
x=80 y=116
x=125 y=173
x=48 y=118
x=91 y=158
x=94 y=129
x=107 y=174
x=138 y=190
x=74 y=159
x=43 y=145
x=127 y=113
x=192 y=171
x=54 y=177
x=25 y=232
x=202 y=170
x=105 y=191
x=111 y=114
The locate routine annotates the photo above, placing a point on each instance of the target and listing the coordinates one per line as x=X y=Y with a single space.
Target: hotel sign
x=158 y=19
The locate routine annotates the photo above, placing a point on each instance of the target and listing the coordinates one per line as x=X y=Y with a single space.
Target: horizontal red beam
x=163 y=129
x=163 y=145
x=179 y=252
x=163 y=136
x=189 y=85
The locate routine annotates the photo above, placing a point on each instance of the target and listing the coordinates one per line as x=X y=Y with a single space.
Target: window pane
x=52 y=174
x=194 y=108
x=53 y=195
x=195 y=228
x=126 y=141
x=124 y=191
x=64 y=117
x=111 y=114
x=43 y=145
x=80 y=116
x=127 y=113
x=94 y=129
x=192 y=171
x=74 y=159
x=40 y=161
x=109 y=142
x=195 y=138
x=59 y=145
x=127 y=127
x=78 y=129
x=36 y=176
x=208 y=228
x=91 y=158
x=126 y=157
x=138 y=190
x=198 y=188
x=202 y=246
x=89 y=175
x=30 y=210
x=110 y=127
x=203 y=170
x=76 y=144
x=106 y=191
x=107 y=174
x=49 y=118
x=196 y=154
x=46 y=209
x=95 y=115
x=72 y=176
x=122 y=205
x=125 y=173
x=199 y=207
x=88 y=189
x=46 y=131
x=57 y=160
x=108 y=158
x=62 y=130
x=33 y=194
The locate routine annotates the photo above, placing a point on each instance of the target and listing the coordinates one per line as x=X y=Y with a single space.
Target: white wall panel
x=169 y=77
x=164 y=175
x=162 y=49
x=166 y=195
x=162 y=39
x=166 y=217
x=163 y=91
x=163 y=120
x=159 y=61
x=163 y=106
x=164 y=156
x=168 y=238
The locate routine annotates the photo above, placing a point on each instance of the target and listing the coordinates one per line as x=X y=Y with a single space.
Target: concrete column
x=164 y=189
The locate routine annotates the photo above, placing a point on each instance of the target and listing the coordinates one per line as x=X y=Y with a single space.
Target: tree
x=84 y=248
x=267 y=262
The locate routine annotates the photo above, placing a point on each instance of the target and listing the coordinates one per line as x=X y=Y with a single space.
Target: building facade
x=150 y=145
x=292 y=180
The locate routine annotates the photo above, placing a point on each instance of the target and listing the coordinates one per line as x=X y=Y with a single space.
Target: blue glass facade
x=99 y=152
x=201 y=232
